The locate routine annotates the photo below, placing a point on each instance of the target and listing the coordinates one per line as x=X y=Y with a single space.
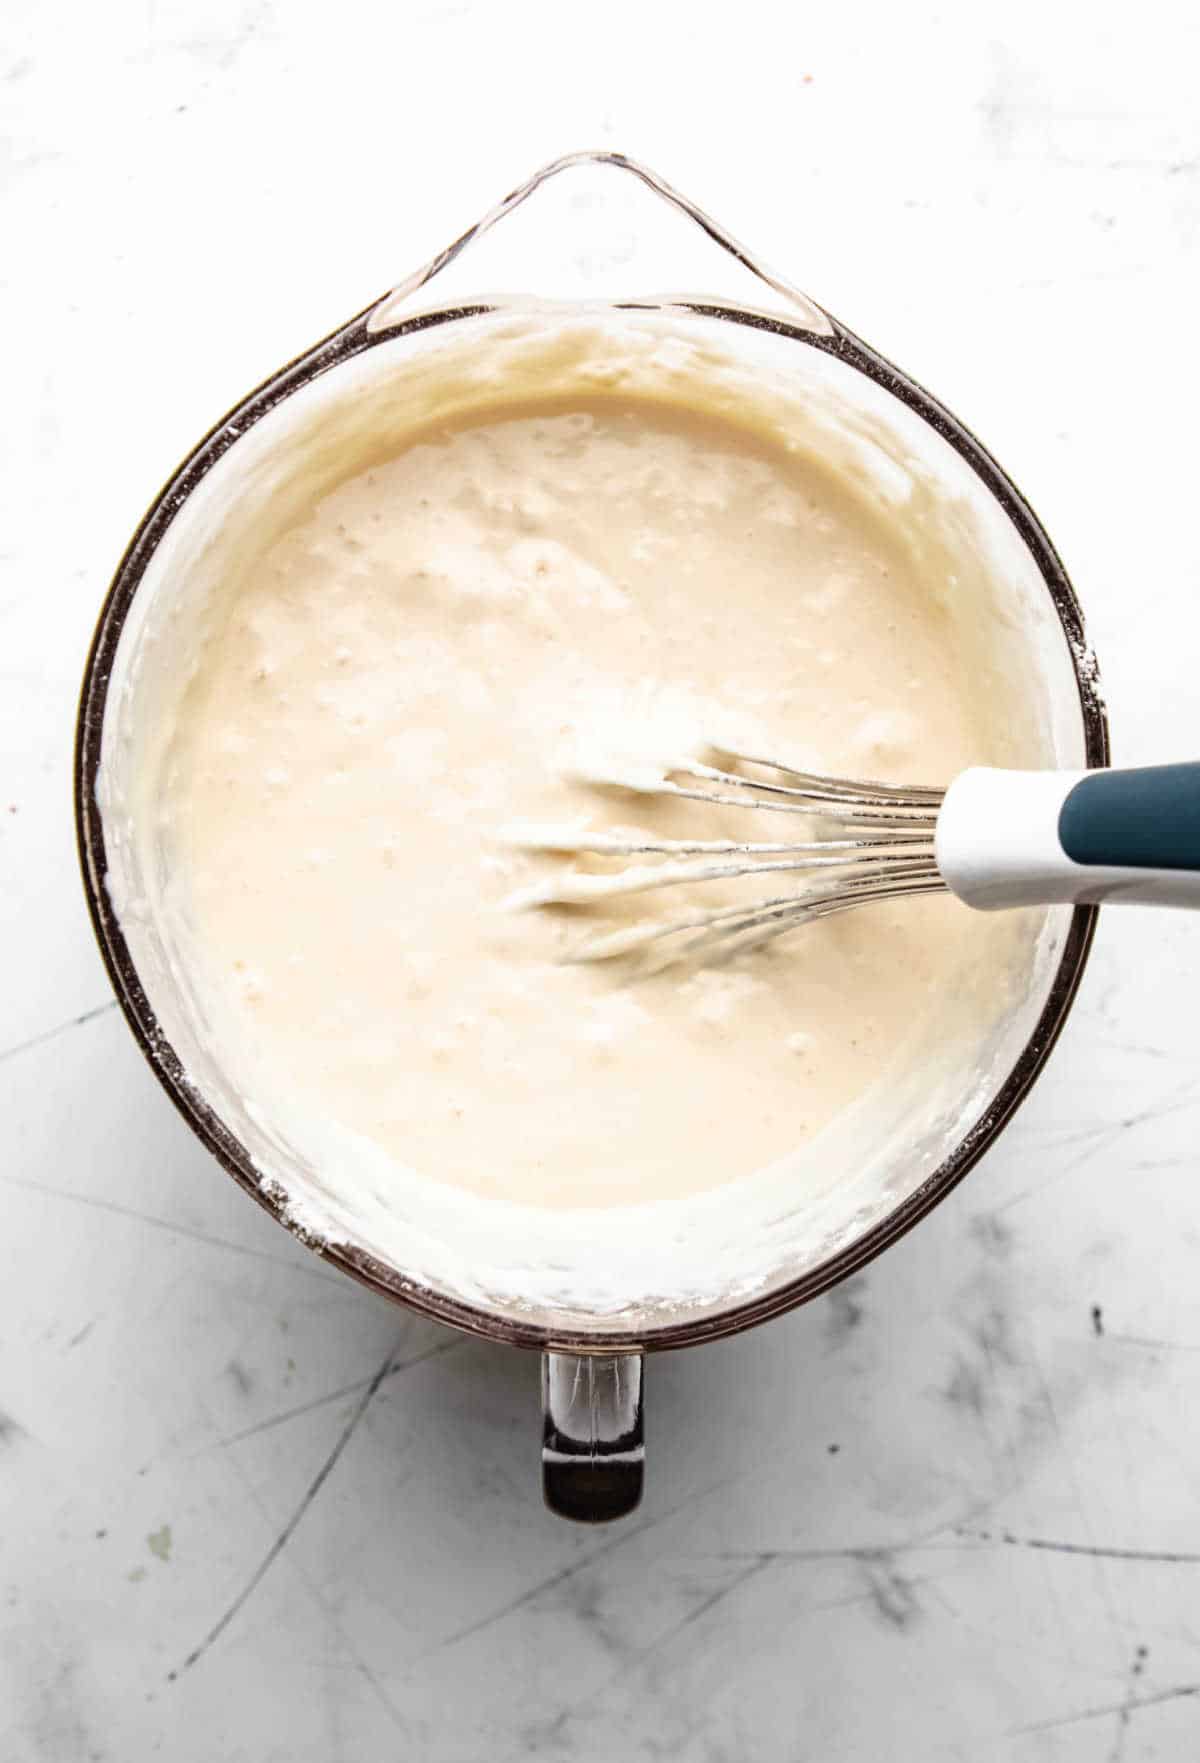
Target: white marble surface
x=949 y=1512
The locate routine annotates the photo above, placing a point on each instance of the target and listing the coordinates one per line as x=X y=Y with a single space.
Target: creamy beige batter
x=438 y=649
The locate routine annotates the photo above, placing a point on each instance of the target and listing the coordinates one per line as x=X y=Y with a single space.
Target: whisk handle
x=1039 y=838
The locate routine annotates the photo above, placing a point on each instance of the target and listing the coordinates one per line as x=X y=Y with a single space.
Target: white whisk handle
x=1041 y=838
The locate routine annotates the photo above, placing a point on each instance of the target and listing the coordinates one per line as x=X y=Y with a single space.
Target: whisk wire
x=846 y=788
x=816 y=797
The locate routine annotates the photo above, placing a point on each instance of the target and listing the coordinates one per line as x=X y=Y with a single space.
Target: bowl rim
x=340 y=346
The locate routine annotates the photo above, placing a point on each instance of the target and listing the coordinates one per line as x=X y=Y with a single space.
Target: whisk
x=994 y=838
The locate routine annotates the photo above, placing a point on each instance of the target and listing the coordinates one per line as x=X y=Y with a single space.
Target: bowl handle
x=597 y=240
x=593 y=1451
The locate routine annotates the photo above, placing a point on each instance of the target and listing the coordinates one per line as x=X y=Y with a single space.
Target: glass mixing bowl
x=599 y=248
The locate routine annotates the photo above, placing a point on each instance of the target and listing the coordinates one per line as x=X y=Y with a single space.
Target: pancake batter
x=438 y=648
